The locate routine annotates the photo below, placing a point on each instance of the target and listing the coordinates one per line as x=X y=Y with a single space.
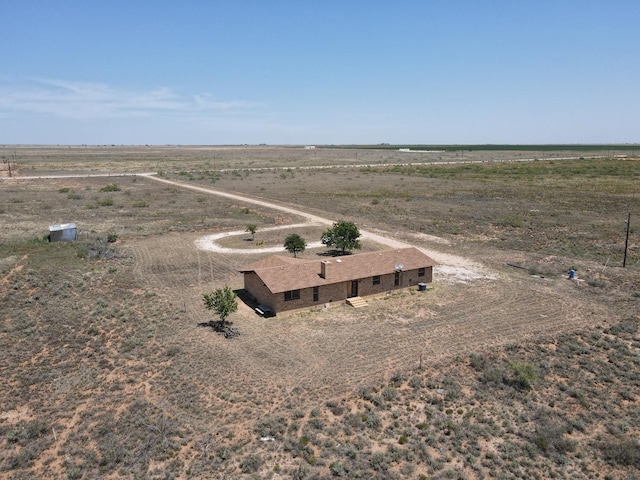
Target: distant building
x=65 y=232
x=309 y=147
x=286 y=283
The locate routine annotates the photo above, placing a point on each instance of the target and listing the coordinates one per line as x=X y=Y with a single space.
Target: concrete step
x=357 y=302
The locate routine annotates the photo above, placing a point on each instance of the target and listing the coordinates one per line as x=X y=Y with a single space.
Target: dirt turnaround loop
x=451 y=268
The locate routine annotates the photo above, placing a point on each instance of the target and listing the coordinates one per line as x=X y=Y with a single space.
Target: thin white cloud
x=84 y=101
x=208 y=102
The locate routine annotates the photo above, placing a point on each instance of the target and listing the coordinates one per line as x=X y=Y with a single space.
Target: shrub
x=173 y=350
x=301 y=472
x=369 y=420
x=23 y=459
x=224 y=453
x=271 y=427
x=550 y=436
x=397 y=379
x=406 y=470
x=104 y=202
x=82 y=250
x=416 y=382
x=316 y=423
x=365 y=393
x=378 y=462
x=74 y=473
x=112 y=187
x=26 y=432
x=337 y=470
x=523 y=375
x=454 y=392
x=513 y=221
x=622 y=452
x=626 y=326
x=627 y=395
x=335 y=408
x=389 y=393
x=250 y=464
x=478 y=362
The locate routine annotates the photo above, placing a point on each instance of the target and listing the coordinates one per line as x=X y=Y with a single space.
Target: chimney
x=324 y=268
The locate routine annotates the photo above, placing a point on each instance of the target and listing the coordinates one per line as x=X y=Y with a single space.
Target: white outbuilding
x=65 y=232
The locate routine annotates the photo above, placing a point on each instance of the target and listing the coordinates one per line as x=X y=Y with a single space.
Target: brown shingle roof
x=272 y=261
x=281 y=274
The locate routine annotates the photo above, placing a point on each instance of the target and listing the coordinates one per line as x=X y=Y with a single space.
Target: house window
x=316 y=294
x=396 y=279
x=421 y=272
x=292 y=295
x=376 y=279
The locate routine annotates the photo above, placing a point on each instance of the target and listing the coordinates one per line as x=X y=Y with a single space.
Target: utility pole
x=626 y=241
x=14 y=161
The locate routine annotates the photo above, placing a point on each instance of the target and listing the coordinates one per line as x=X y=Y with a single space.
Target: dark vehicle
x=265 y=311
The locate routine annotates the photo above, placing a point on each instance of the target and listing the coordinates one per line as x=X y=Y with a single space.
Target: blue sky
x=319 y=72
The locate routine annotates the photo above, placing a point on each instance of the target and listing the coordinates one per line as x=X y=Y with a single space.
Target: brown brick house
x=286 y=283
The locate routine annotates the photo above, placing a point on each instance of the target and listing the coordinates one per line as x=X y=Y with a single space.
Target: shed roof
x=281 y=274
x=62 y=226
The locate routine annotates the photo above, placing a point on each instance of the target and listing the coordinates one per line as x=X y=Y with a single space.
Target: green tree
x=222 y=301
x=343 y=236
x=252 y=228
x=294 y=243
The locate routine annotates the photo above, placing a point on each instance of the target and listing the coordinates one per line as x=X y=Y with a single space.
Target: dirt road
x=451 y=268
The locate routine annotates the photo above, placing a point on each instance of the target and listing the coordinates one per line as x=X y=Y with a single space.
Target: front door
x=354 y=289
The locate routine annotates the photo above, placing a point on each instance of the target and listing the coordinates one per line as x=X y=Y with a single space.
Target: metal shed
x=65 y=232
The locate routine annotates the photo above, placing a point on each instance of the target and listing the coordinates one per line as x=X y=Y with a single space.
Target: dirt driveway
x=451 y=268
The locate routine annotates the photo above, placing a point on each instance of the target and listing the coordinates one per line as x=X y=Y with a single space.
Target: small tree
x=222 y=301
x=294 y=243
x=343 y=235
x=252 y=228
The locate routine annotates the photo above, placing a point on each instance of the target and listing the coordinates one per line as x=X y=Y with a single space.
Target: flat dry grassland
x=523 y=373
